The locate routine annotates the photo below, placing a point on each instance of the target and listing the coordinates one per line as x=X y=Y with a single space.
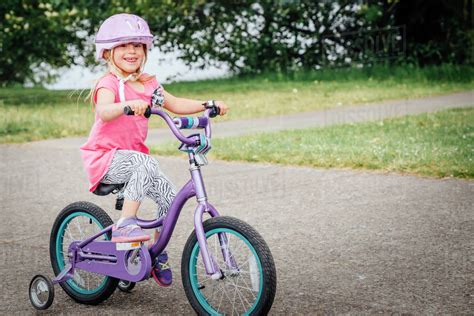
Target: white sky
x=169 y=68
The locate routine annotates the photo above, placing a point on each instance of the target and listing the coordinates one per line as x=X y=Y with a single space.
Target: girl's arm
x=108 y=110
x=187 y=106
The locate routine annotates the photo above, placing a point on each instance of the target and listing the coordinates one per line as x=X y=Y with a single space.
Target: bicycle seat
x=105 y=189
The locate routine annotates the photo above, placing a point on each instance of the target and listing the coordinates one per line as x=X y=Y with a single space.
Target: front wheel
x=247 y=288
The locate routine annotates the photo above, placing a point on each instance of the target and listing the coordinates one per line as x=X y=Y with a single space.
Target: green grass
x=280 y=94
x=439 y=144
x=33 y=114
x=30 y=114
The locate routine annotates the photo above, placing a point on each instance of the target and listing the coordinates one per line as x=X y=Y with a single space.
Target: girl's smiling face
x=129 y=57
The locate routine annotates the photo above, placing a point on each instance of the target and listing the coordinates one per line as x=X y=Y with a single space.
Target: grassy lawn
x=439 y=144
x=271 y=94
x=33 y=114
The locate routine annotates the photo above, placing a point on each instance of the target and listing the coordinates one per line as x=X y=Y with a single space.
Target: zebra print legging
x=143 y=178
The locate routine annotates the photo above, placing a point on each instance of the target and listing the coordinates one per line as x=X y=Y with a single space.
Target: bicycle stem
x=196 y=175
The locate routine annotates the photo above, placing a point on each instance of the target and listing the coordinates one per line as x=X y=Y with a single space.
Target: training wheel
x=41 y=292
x=126 y=286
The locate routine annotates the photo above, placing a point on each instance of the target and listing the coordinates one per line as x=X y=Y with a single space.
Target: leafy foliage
x=41 y=36
x=437 y=31
x=33 y=35
x=253 y=36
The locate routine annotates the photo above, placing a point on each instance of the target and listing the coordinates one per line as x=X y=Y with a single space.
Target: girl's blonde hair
x=137 y=76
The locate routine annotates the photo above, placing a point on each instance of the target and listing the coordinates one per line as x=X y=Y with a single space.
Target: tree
x=249 y=36
x=41 y=36
x=437 y=31
x=252 y=36
x=255 y=36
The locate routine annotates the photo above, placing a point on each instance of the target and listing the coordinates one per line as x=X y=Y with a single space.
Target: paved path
x=343 y=241
x=341 y=115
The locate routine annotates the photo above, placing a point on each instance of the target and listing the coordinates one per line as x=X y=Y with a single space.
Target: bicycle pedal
x=128 y=245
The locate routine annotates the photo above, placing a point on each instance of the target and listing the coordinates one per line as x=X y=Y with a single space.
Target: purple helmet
x=120 y=29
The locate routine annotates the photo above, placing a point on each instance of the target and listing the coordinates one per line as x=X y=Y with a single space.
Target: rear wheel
x=248 y=290
x=79 y=221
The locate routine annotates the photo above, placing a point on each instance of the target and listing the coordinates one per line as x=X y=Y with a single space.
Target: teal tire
x=249 y=290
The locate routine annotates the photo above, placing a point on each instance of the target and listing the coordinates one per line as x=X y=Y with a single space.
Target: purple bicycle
x=226 y=266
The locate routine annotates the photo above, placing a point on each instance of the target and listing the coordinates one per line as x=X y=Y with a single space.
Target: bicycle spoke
x=247 y=285
x=241 y=300
x=220 y=301
x=233 y=301
x=203 y=281
x=243 y=288
x=71 y=237
x=213 y=290
x=216 y=245
x=81 y=234
x=225 y=291
x=235 y=251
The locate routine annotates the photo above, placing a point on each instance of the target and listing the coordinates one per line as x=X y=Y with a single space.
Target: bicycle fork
x=210 y=264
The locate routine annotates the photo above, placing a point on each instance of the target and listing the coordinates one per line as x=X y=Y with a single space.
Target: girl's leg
x=138 y=170
x=163 y=193
x=130 y=208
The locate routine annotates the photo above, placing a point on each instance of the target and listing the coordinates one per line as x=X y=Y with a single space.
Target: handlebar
x=201 y=122
x=128 y=111
x=191 y=122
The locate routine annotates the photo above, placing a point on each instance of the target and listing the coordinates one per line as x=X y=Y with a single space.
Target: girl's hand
x=223 y=108
x=138 y=106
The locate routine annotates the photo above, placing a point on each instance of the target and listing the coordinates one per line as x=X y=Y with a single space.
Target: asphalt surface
x=344 y=242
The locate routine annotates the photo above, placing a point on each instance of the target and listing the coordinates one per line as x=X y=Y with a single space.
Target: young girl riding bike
x=115 y=151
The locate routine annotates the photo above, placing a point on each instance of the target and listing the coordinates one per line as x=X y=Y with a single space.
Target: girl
x=115 y=151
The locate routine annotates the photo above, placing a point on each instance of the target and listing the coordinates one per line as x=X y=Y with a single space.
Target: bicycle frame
x=194 y=187
x=102 y=257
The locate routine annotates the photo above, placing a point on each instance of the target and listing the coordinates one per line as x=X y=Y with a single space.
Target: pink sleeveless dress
x=125 y=132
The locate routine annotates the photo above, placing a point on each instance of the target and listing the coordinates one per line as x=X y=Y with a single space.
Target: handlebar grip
x=190 y=122
x=128 y=111
x=215 y=110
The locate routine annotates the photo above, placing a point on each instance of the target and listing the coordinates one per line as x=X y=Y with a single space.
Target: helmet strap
x=122 y=87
